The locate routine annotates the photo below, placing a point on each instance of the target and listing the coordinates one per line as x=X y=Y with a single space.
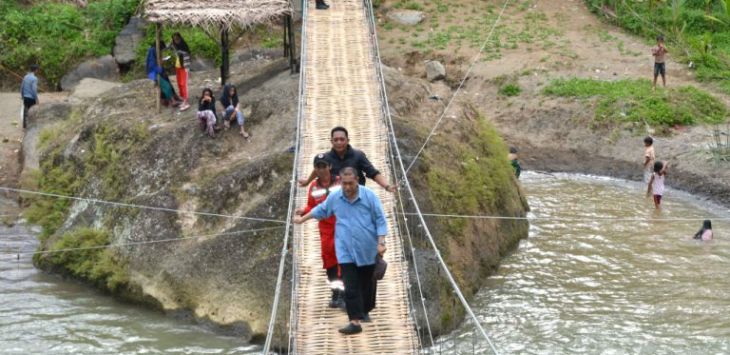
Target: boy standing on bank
x=659 y=52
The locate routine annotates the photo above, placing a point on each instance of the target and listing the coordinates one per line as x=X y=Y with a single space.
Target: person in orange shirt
x=317 y=192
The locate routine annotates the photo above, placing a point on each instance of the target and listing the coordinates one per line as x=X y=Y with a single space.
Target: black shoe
x=351 y=329
x=366 y=318
x=322 y=6
x=334 y=300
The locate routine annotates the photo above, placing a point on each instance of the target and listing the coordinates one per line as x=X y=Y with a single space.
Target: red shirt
x=316 y=194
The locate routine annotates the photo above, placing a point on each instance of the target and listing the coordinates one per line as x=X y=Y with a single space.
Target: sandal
x=244 y=134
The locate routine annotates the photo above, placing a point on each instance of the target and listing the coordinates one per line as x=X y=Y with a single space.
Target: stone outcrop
x=435 y=70
x=406 y=17
x=116 y=147
x=126 y=43
x=103 y=68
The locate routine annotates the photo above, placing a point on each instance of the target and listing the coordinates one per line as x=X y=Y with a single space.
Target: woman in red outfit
x=317 y=192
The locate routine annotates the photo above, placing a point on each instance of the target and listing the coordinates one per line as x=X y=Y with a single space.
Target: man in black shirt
x=343 y=155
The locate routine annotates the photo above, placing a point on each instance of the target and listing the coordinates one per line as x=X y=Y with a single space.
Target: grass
x=511 y=89
x=102 y=266
x=694 y=32
x=634 y=101
x=57 y=35
x=481 y=181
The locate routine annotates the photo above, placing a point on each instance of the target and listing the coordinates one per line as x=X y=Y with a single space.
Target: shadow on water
x=614 y=287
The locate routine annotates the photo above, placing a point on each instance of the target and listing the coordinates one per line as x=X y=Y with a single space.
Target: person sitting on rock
x=168 y=96
x=151 y=67
x=232 y=108
x=206 y=112
x=317 y=192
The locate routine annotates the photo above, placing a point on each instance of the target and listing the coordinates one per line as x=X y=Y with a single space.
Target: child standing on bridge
x=656 y=183
x=317 y=192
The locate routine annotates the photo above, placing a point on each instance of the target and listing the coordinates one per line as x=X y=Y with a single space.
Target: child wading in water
x=705 y=233
x=656 y=183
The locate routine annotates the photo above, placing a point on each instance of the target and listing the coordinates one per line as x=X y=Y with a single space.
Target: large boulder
x=201 y=64
x=104 y=68
x=435 y=71
x=89 y=88
x=125 y=47
x=406 y=17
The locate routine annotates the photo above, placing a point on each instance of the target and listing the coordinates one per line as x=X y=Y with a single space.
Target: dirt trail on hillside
x=11 y=133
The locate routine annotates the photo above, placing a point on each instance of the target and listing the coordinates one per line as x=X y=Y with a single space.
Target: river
x=44 y=314
x=609 y=287
x=590 y=286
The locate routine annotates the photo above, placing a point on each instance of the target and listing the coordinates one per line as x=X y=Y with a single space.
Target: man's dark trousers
x=359 y=289
x=27 y=104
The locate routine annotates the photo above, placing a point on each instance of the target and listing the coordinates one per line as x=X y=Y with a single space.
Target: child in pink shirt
x=656 y=183
x=705 y=233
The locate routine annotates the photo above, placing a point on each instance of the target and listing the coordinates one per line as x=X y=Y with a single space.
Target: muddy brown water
x=600 y=286
x=44 y=314
x=596 y=286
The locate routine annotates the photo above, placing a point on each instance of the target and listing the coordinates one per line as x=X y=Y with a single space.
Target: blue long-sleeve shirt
x=29 y=87
x=359 y=223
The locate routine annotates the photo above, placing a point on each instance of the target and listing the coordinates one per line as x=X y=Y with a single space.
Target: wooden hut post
x=159 y=64
x=292 y=46
x=286 y=39
x=224 y=55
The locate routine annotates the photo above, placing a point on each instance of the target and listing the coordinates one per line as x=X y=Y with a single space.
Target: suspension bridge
x=341 y=84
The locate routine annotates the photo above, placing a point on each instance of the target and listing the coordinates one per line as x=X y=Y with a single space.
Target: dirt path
x=11 y=134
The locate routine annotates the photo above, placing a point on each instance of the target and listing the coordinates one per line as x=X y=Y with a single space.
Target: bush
x=101 y=265
x=634 y=101
x=57 y=36
x=510 y=90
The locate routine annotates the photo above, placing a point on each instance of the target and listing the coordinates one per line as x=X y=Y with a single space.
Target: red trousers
x=181 y=74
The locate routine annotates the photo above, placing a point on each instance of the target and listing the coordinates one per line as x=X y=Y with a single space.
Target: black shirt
x=354 y=159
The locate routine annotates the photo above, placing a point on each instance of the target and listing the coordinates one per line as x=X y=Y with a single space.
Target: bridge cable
x=53 y=251
x=131 y=205
x=292 y=194
x=386 y=111
x=458 y=89
x=411 y=195
x=569 y=219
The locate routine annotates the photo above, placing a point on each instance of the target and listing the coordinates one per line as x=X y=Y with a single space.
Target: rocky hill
x=114 y=146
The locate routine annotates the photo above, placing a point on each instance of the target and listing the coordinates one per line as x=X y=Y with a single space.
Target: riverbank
x=540 y=44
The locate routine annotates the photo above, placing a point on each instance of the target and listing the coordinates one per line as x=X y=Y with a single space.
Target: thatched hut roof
x=214 y=13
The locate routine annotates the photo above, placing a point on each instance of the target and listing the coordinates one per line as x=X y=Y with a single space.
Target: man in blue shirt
x=29 y=91
x=360 y=233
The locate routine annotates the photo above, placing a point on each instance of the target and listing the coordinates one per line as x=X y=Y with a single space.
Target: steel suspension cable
x=411 y=195
x=168 y=240
x=569 y=219
x=391 y=143
x=458 y=89
x=131 y=205
x=292 y=195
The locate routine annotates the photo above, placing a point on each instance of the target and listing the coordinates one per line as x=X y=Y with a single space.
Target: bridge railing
x=280 y=328
x=457 y=336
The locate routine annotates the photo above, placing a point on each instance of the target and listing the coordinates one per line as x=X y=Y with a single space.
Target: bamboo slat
x=341 y=89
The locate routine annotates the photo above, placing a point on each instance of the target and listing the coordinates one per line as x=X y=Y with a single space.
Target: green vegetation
x=102 y=266
x=480 y=181
x=634 y=101
x=510 y=90
x=58 y=35
x=103 y=162
x=696 y=31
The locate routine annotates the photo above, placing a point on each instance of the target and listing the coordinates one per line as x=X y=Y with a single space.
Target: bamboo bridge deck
x=341 y=88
